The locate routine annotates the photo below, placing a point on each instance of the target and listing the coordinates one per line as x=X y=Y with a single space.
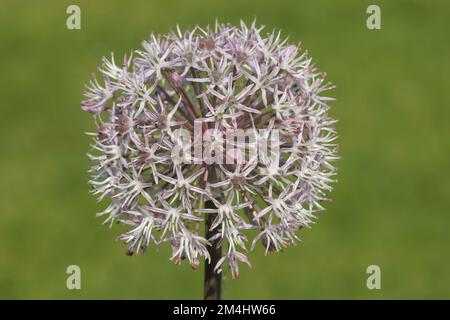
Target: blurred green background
x=391 y=204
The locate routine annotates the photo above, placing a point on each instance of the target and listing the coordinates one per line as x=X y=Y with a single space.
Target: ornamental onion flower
x=210 y=84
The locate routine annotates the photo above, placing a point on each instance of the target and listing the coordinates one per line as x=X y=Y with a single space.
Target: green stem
x=212 y=280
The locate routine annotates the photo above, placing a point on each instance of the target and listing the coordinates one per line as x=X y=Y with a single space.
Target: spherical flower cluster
x=219 y=80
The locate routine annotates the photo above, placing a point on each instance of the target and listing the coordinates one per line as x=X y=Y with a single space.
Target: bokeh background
x=390 y=207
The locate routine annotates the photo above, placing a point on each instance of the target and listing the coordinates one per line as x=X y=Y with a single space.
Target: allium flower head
x=222 y=81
